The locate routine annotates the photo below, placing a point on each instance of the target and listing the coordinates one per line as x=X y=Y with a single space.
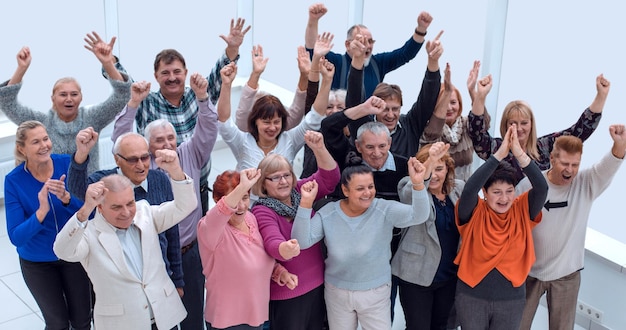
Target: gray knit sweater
x=62 y=134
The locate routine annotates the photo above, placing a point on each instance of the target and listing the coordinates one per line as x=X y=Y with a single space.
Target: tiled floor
x=18 y=309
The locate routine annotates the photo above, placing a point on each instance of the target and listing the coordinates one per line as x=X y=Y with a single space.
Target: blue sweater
x=34 y=240
x=358 y=247
x=159 y=191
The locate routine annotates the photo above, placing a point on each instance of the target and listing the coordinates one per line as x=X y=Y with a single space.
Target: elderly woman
x=520 y=113
x=267 y=121
x=67 y=117
x=497 y=248
x=37 y=207
x=279 y=197
x=424 y=262
x=234 y=262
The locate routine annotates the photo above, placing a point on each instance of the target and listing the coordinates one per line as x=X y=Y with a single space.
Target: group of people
x=387 y=203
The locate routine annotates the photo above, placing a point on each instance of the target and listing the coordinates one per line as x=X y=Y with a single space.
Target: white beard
x=367 y=61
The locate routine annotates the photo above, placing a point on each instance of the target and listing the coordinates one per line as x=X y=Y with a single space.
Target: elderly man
x=377 y=65
x=133 y=160
x=560 y=237
x=119 y=249
x=193 y=154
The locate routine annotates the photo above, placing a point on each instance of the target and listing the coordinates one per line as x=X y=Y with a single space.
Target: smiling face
x=374 y=148
x=564 y=167
x=133 y=158
x=37 y=145
x=438 y=177
x=66 y=98
x=269 y=129
x=360 y=191
x=162 y=137
x=523 y=126
x=500 y=196
x=171 y=78
x=391 y=114
x=454 y=107
x=118 y=208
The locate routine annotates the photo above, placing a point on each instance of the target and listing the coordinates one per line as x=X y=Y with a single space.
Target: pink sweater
x=275 y=229
x=237 y=270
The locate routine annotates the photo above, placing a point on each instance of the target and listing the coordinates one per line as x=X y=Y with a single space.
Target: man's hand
x=199 y=85
x=423 y=21
x=234 y=39
x=228 y=73
x=618 y=134
x=86 y=139
x=316 y=11
x=139 y=90
x=168 y=161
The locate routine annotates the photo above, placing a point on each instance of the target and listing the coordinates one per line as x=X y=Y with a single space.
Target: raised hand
x=95 y=194
x=304 y=61
x=434 y=48
x=505 y=147
x=228 y=73
x=309 y=193
x=316 y=11
x=447 y=79
x=472 y=79
x=313 y=139
x=375 y=105
x=57 y=188
x=86 y=139
x=483 y=87
x=139 y=90
x=327 y=68
x=423 y=21
x=199 y=85
x=259 y=62
x=437 y=150
x=99 y=47
x=323 y=45
x=168 y=160
x=289 y=249
x=602 y=85
x=417 y=171
x=236 y=34
x=618 y=134
x=23 y=57
x=248 y=177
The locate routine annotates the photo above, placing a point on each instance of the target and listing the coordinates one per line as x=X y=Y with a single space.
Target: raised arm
x=602 y=88
x=23 y=62
x=315 y=141
x=316 y=11
x=124 y=120
x=103 y=52
x=434 y=127
x=234 y=39
x=423 y=22
x=539 y=191
x=228 y=74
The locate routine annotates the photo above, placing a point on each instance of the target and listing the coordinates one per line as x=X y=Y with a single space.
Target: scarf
x=453 y=133
x=281 y=208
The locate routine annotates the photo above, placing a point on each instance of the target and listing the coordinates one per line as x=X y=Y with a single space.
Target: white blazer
x=122 y=300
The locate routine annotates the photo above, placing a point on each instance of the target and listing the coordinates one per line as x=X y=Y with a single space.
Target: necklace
x=267 y=147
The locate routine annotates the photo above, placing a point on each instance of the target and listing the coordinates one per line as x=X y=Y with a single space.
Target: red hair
x=224 y=184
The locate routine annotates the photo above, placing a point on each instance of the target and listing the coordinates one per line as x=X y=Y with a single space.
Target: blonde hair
x=20 y=138
x=522 y=109
x=65 y=80
x=270 y=164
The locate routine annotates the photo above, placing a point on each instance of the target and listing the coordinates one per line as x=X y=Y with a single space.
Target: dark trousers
x=62 y=291
x=306 y=312
x=235 y=327
x=193 y=299
x=427 y=307
x=479 y=314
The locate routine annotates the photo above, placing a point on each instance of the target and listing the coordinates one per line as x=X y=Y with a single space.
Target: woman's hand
x=308 y=192
x=503 y=151
x=228 y=73
x=288 y=279
x=248 y=177
x=289 y=249
x=417 y=170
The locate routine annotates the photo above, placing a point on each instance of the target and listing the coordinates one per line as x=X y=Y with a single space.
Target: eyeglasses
x=134 y=160
x=277 y=178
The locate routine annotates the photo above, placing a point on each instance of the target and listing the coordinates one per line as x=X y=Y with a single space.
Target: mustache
x=173 y=82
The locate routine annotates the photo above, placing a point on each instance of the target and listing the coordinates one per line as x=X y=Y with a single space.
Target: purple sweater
x=275 y=229
x=193 y=154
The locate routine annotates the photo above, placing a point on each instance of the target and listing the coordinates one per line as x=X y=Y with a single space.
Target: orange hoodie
x=502 y=241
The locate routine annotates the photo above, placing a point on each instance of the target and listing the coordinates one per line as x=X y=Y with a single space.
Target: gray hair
x=338 y=95
x=118 y=141
x=159 y=123
x=374 y=127
x=352 y=28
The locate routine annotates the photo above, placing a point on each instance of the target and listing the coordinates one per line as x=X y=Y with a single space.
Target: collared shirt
x=130 y=239
x=143 y=184
x=184 y=116
x=389 y=165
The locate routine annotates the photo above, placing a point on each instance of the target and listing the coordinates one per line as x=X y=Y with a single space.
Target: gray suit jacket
x=419 y=253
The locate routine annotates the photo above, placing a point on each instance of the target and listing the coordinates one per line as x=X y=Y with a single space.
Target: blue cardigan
x=34 y=240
